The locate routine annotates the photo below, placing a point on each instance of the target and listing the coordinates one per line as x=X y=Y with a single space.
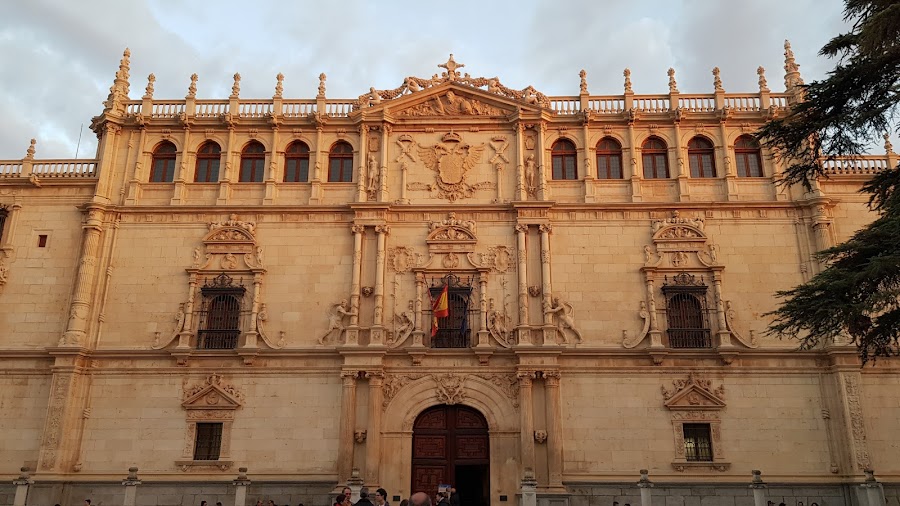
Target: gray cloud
x=59 y=57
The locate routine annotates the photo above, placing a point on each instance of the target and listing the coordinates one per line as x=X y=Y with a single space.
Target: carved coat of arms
x=451 y=159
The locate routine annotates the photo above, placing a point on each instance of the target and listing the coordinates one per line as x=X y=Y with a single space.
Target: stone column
x=543 y=194
x=731 y=187
x=79 y=310
x=419 y=333
x=655 y=333
x=228 y=172
x=22 y=483
x=373 y=439
x=723 y=334
x=759 y=489
x=645 y=485
x=554 y=429
x=361 y=195
x=182 y=167
x=526 y=411
x=546 y=285
x=404 y=174
x=317 y=159
x=483 y=339
x=524 y=333
x=383 y=194
x=241 y=484
x=377 y=335
x=634 y=172
x=520 y=162
x=589 y=169
x=130 y=483
x=874 y=490
x=682 y=171
x=352 y=331
x=348 y=422
x=276 y=162
x=529 y=489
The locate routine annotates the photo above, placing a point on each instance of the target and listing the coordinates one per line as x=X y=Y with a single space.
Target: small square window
x=42 y=241
x=208 y=443
x=697 y=442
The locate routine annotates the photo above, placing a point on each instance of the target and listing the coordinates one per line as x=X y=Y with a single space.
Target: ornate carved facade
x=252 y=283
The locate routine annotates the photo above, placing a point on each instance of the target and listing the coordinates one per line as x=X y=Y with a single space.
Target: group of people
x=443 y=498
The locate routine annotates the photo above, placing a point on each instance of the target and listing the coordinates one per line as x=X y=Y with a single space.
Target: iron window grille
x=687 y=312
x=208 y=441
x=697 y=442
x=220 y=314
x=455 y=330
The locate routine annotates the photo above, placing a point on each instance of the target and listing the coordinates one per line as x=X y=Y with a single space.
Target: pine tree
x=858 y=293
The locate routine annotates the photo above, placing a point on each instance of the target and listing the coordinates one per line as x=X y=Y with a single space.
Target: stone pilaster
x=80 y=308
x=377 y=333
x=522 y=255
x=352 y=331
x=526 y=421
x=373 y=439
x=553 y=416
x=348 y=422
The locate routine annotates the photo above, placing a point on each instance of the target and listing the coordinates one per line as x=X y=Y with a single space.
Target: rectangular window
x=339 y=170
x=296 y=170
x=454 y=330
x=697 y=442
x=702 y=165
x=251 y=170
x=608 y=167
x=208 y=442
x=655 y=166
x=42 y=241
x=163 y=170
x=748 y=165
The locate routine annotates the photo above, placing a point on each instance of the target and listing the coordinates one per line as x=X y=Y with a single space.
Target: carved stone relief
x=451 y=160
x=857 y=424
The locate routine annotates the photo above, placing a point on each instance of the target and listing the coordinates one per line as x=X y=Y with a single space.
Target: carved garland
x=450 y=388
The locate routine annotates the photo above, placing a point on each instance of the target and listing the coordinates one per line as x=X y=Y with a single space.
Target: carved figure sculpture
x=530 y=174
x=404 y=328
x=496 y=323
x=336 y=319
x=372 y=175
x=565 y=318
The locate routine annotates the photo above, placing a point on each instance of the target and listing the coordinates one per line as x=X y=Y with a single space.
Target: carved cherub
x=565 y=317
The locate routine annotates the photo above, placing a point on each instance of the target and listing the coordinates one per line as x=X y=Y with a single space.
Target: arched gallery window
x=609 y=159
x=207 y=169
x=747 y=157
x=253 y=158
x=701 y=156
x=296 y=163
x=340 y=163
x=563 y=155
x=162 y=169
x=655 y=159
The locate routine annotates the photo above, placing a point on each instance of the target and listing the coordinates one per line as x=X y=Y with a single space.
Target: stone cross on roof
x=451 y=67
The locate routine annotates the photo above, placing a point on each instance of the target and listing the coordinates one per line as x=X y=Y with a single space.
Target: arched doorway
x=451 y=446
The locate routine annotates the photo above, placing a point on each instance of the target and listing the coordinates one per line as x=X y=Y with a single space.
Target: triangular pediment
x=694 y=393
x=694 y=397
x=212 y=395
x=452 y=100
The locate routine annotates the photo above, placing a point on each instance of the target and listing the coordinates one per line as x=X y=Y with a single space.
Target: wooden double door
x=451 y=446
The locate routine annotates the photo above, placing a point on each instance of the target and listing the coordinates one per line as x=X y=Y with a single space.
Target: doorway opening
x=451 y=447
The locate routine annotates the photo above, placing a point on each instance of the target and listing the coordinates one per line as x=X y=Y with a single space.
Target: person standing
x=454 y=497
x=364 y=497
x=381 y=497
x=442 y=499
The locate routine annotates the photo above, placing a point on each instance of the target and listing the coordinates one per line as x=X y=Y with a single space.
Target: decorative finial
x=888 y=147
x=148 y=92
x=322 y=78
x=791 y=68
x=673 y=86
x=192 y=88
x=29 y=153
x=236 y=87
x=717 y=81
x=124 y=73
x=279 y=87
x=627 y=75
x=451 y=67
x=583 y=76
x=763 y=84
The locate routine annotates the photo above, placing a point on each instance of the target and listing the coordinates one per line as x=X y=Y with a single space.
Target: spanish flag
x=440 y=308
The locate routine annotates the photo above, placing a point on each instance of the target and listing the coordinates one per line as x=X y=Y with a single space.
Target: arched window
x=654 y=157
x=609 y=159
x=208 y=156
x=746 y=154
x=162 y=170
x=253 y=158
x=296 y=163
x=701 y=157
x=562 y=156
x=340 y=163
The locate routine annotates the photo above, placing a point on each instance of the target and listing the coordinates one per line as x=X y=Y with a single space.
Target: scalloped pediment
x=451 y=234
x=229 y=235
x=679 y=232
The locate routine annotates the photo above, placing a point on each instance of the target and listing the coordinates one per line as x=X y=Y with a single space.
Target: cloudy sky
x=58 y=57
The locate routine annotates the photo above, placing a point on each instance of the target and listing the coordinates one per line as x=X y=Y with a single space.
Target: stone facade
x=572 y=355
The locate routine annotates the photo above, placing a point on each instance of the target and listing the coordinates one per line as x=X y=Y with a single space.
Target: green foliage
x=857 y=294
